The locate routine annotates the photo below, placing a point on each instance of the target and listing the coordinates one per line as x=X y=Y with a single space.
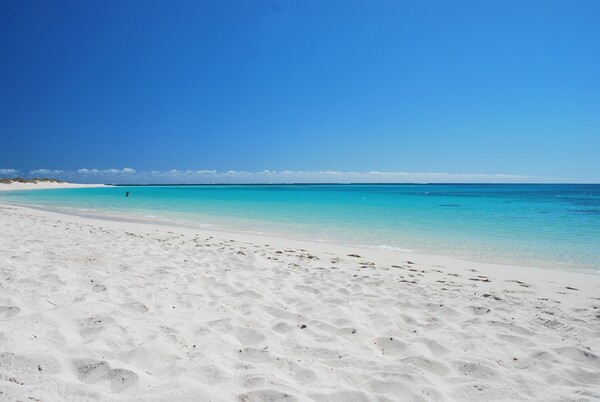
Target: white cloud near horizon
x=46 y=172
x=8 y=172
x=105 y=171
x=174 y=176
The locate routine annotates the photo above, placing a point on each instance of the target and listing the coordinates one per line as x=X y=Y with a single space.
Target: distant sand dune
x=40 y=184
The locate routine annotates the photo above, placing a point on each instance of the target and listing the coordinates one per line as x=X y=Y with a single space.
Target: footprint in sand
x=97 y=288
x=121 y=379
x=247 y=336
x=478 y=310
x=92 y=371
x=9 y=311
x=33 y=364
x=390 y=346
x=265 y=395
x=93 y=325
x=579 y=355
x=354 y=396
x=476 y=370
x=134 y=307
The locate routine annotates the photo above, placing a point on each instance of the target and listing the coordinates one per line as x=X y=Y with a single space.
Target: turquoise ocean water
x=541 y=225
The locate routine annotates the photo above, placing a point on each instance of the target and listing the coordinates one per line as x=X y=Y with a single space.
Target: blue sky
x=135 y=91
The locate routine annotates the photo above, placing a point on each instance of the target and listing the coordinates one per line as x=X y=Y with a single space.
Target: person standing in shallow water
x=126 y=193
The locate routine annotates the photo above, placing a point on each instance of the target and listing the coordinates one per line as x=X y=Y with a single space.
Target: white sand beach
x=102 y=310
x=43 y=185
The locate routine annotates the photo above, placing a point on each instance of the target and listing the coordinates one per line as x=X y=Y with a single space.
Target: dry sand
x=43 y=186
x=100 y=310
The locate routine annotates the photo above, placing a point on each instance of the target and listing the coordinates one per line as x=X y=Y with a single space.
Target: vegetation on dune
x=34 y=180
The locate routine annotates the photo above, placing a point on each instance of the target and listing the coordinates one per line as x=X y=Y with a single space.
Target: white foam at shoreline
x=392 y=248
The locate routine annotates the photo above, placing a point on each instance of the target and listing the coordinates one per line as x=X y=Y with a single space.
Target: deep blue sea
x=541 y=225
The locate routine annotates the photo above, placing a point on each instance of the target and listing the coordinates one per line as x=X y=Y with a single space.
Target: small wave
x=392 y=248
x=251 y=232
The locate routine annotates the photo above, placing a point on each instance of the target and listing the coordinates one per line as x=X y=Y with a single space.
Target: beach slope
x=93 y=309
x=11 y=185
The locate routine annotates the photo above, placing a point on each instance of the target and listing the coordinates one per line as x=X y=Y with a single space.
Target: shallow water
x=543 y=225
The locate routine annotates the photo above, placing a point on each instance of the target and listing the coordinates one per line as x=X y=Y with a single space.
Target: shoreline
x=275 y=238
x=16 y=186
x=382 y=256
x=118 y=310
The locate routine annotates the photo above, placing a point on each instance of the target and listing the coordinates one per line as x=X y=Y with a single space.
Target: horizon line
x=130 y=176
x=342 y=184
